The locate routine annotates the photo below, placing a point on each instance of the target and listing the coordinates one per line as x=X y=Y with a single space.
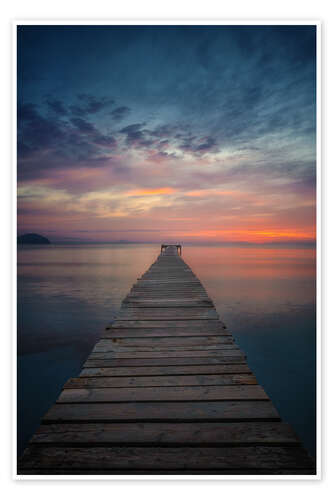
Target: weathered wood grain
x=169 y=313
x=167 y=472
x=139 y=371
x=195 y=393
x=164 y=361
x=181 y=458
x=160 y=381
x=172 y=341
x=166 y=303
x=204 y=324
x=182 y=331
x=115 y=354
x=186 y=434
x=189 y=411
x=117 y=348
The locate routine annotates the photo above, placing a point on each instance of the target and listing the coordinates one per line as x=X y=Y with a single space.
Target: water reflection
x=66 y=295
x=267 y=299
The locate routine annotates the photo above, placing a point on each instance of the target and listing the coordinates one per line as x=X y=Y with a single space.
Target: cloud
x=35 y=131
x=219 y=130
x=83 y=125
x=136 y=136
x=120 y=113
x=27 y=112
x=151 y=191
x=57 y=106
x=198 y=145
x=89 y=104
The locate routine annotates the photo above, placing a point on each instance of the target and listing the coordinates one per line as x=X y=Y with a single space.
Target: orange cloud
x=204 y=192
x=151 y=191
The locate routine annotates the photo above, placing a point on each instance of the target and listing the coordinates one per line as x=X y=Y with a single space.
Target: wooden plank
x=166 y=303
x=139 y=371
x=204 y=324
x=189 y=411
x=168 y=285
x=164 y=361
x=192 y=331
x=169 y=313
x=184 y=342
x=160 y=280
x=110 y=346
x=194 y=434
x=181 y=458
x=160 y=381
x=158 y=354
x=196 y=393
x=143 y=472
x=169 y=288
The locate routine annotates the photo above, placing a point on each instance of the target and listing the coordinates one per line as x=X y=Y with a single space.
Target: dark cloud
x=48 y=142
x=136 y=135
x=120 y=113
x=198 y=145
x=206 y=144
x=95 y=136
x=89 y=104
x=57 y=106
x=83 y=125
x=104 y=140
x=27 y=112
x=164 y=131
x=35 y=131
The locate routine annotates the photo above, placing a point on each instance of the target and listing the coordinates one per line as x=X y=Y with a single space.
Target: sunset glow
x=191 y=134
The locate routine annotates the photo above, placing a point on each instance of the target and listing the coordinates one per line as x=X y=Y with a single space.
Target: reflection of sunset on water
x=266 y=296
x=242 y=262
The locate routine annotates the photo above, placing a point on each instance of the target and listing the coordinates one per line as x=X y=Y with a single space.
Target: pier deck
x=165 y=391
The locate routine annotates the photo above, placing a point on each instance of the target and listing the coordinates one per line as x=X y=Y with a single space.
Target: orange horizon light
x=151 y=191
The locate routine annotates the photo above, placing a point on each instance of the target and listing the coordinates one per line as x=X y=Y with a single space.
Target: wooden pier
x=165 y=391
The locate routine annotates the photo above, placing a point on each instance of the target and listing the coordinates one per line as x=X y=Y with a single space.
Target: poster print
x=166 y=249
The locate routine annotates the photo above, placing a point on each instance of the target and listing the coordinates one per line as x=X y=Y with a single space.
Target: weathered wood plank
x=169 y=313
x=160 y=381
x=192 y=331
x=181 y=458
x=189 y=411
x=164 y=361
x=202 y=433
x=116 y=347
x=160 y=354
x=167 y=472
x=196 y=393
x=139 y=371
x=205 y=324
x=174 y=341
x=166 y=303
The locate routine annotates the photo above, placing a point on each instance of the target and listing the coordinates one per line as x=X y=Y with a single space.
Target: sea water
x=266 y=296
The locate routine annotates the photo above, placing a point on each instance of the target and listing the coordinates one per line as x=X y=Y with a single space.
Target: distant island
x=32 y=239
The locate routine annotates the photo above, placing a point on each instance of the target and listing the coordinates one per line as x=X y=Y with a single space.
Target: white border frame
x=319 y=357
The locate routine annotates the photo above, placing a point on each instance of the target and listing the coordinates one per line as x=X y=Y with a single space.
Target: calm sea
x=67 y=294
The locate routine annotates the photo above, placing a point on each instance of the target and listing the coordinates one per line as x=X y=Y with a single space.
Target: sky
x=203 y=134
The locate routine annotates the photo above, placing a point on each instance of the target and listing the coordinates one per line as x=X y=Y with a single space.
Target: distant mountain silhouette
x=32 y=239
